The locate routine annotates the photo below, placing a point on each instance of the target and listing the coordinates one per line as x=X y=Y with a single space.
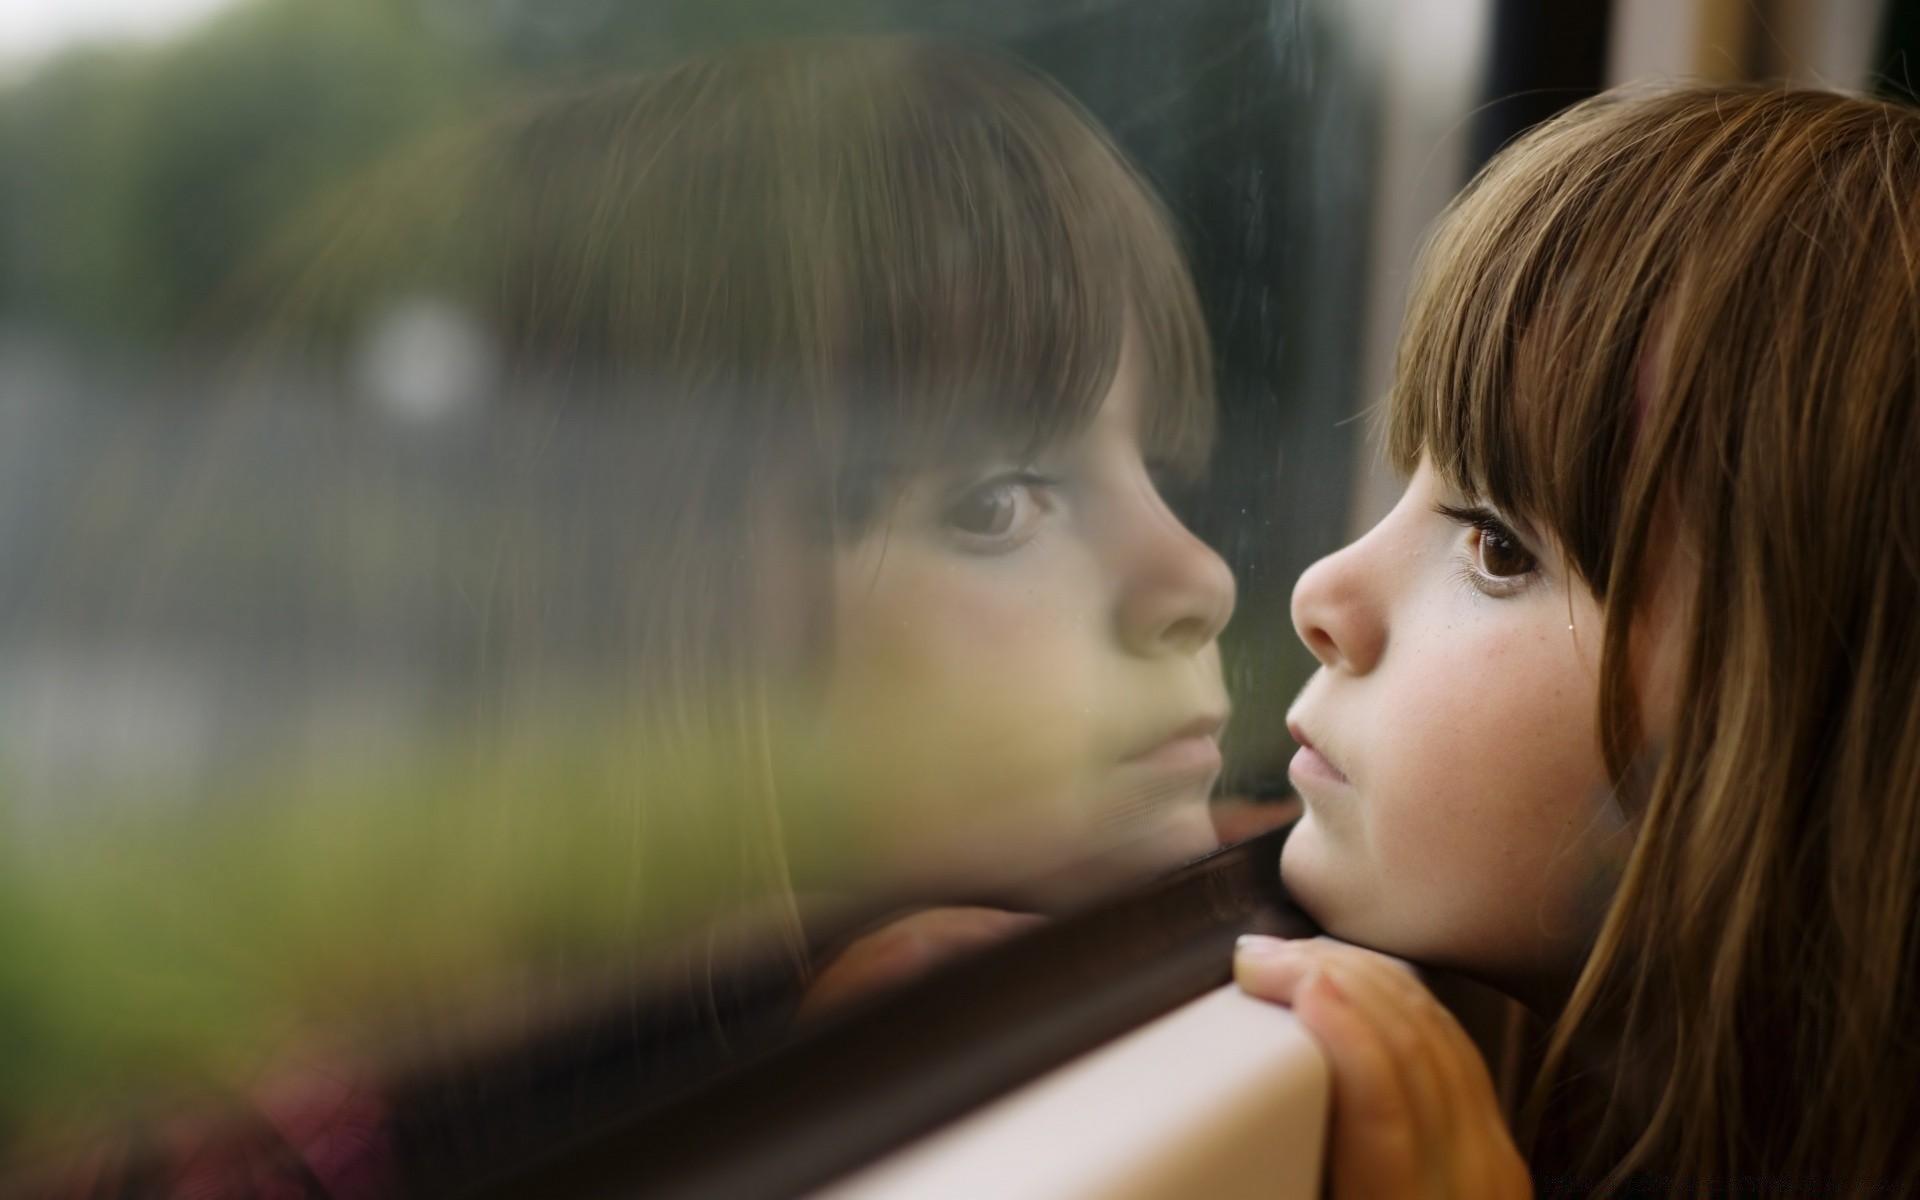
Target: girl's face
x=1025 y=666
x=1457 y=808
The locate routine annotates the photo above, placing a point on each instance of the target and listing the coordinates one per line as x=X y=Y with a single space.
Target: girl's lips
x=1309 y=763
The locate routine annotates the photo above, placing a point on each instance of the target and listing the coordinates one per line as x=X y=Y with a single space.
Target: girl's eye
x=1500 y=563
x=1500 y=554
x=999 y=514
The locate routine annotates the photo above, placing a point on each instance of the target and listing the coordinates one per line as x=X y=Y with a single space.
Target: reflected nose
x=1180 y=592
x=1336 y=613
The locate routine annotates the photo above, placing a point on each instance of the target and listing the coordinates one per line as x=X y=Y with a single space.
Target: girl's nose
x=1336 y=613
x=1179 y=593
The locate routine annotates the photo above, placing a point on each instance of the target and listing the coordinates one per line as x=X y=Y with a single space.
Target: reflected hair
x=1684 y=325
x=808 y=268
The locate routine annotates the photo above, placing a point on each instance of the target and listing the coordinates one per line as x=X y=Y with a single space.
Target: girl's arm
x=1414 y=1111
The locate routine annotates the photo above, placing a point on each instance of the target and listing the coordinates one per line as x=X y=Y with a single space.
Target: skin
x=1027 y=683
x=1456 y=812
x=1026 y=669
x=1457 y=805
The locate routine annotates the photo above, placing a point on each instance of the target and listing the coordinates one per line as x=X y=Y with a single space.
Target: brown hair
x=1704 y=305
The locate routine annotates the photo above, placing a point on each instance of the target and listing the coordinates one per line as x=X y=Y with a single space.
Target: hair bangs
x=1001 y=256
x=1535 y=316
x=1452 y=400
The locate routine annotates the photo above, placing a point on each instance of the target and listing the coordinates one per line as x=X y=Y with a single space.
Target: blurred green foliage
x=180 y=947
x=135 y=180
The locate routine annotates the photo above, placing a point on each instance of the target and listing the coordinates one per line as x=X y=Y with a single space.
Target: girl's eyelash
x=1477 y=584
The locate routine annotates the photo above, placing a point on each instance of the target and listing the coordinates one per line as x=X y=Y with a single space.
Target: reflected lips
x=1308 y=763
x=1192 y=747
x=1182 y=754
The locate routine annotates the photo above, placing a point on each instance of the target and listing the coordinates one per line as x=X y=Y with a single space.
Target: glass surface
x=545 y=546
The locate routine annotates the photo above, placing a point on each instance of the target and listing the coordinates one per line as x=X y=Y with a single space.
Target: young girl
x=1619 y=708
x=819 y=544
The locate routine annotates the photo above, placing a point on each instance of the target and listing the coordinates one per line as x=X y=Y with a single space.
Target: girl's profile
x=1616 y=709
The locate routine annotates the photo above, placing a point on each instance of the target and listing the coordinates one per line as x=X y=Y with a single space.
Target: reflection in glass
x=736 y=485
x=598 y=561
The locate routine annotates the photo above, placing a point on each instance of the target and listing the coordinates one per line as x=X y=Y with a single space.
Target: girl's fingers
x=1275 y=961
x=1459 y=1069
x=1469 y=1150
x=1414 y=1107
x=1269 y=968
x=1374 y=1150
x=1475 y=1081
x=1428 y=1067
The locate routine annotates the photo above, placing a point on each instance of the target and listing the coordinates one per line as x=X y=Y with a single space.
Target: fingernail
x=1258 y=945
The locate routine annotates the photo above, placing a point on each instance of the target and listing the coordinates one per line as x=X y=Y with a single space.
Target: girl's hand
x=1414 y=1111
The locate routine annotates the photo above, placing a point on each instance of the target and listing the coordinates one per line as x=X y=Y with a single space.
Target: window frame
x=840 y=1095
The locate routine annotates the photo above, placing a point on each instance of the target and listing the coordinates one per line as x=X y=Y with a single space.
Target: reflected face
x=1025 y=664
x=1456 y=802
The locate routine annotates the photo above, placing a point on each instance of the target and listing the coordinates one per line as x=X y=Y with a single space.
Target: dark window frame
x=840 y=1095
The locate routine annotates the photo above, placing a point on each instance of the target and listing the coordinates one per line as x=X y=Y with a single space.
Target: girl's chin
x=1305 y=865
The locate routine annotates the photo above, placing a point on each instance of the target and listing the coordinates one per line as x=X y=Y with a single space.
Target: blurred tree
x=135 y=181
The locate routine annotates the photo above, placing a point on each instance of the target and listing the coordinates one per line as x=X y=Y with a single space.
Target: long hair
x=1704 y=305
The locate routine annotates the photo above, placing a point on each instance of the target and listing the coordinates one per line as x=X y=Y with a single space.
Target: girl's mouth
x=1309 y=763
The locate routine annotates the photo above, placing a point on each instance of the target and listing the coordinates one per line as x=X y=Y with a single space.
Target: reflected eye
x=987 y=511
x=1000 y=513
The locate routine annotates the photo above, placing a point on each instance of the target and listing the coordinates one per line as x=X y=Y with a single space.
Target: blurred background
x=320 y=741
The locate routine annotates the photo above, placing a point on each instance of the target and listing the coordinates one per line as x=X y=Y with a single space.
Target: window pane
x=545 y=546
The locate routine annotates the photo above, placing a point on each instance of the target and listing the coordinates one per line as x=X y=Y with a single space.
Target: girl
x=1619 y=708
x=820 y=548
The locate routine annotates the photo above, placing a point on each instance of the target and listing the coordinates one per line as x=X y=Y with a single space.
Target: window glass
x=544 y=546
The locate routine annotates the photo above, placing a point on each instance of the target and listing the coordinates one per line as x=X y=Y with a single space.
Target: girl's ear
x=1662 y=625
